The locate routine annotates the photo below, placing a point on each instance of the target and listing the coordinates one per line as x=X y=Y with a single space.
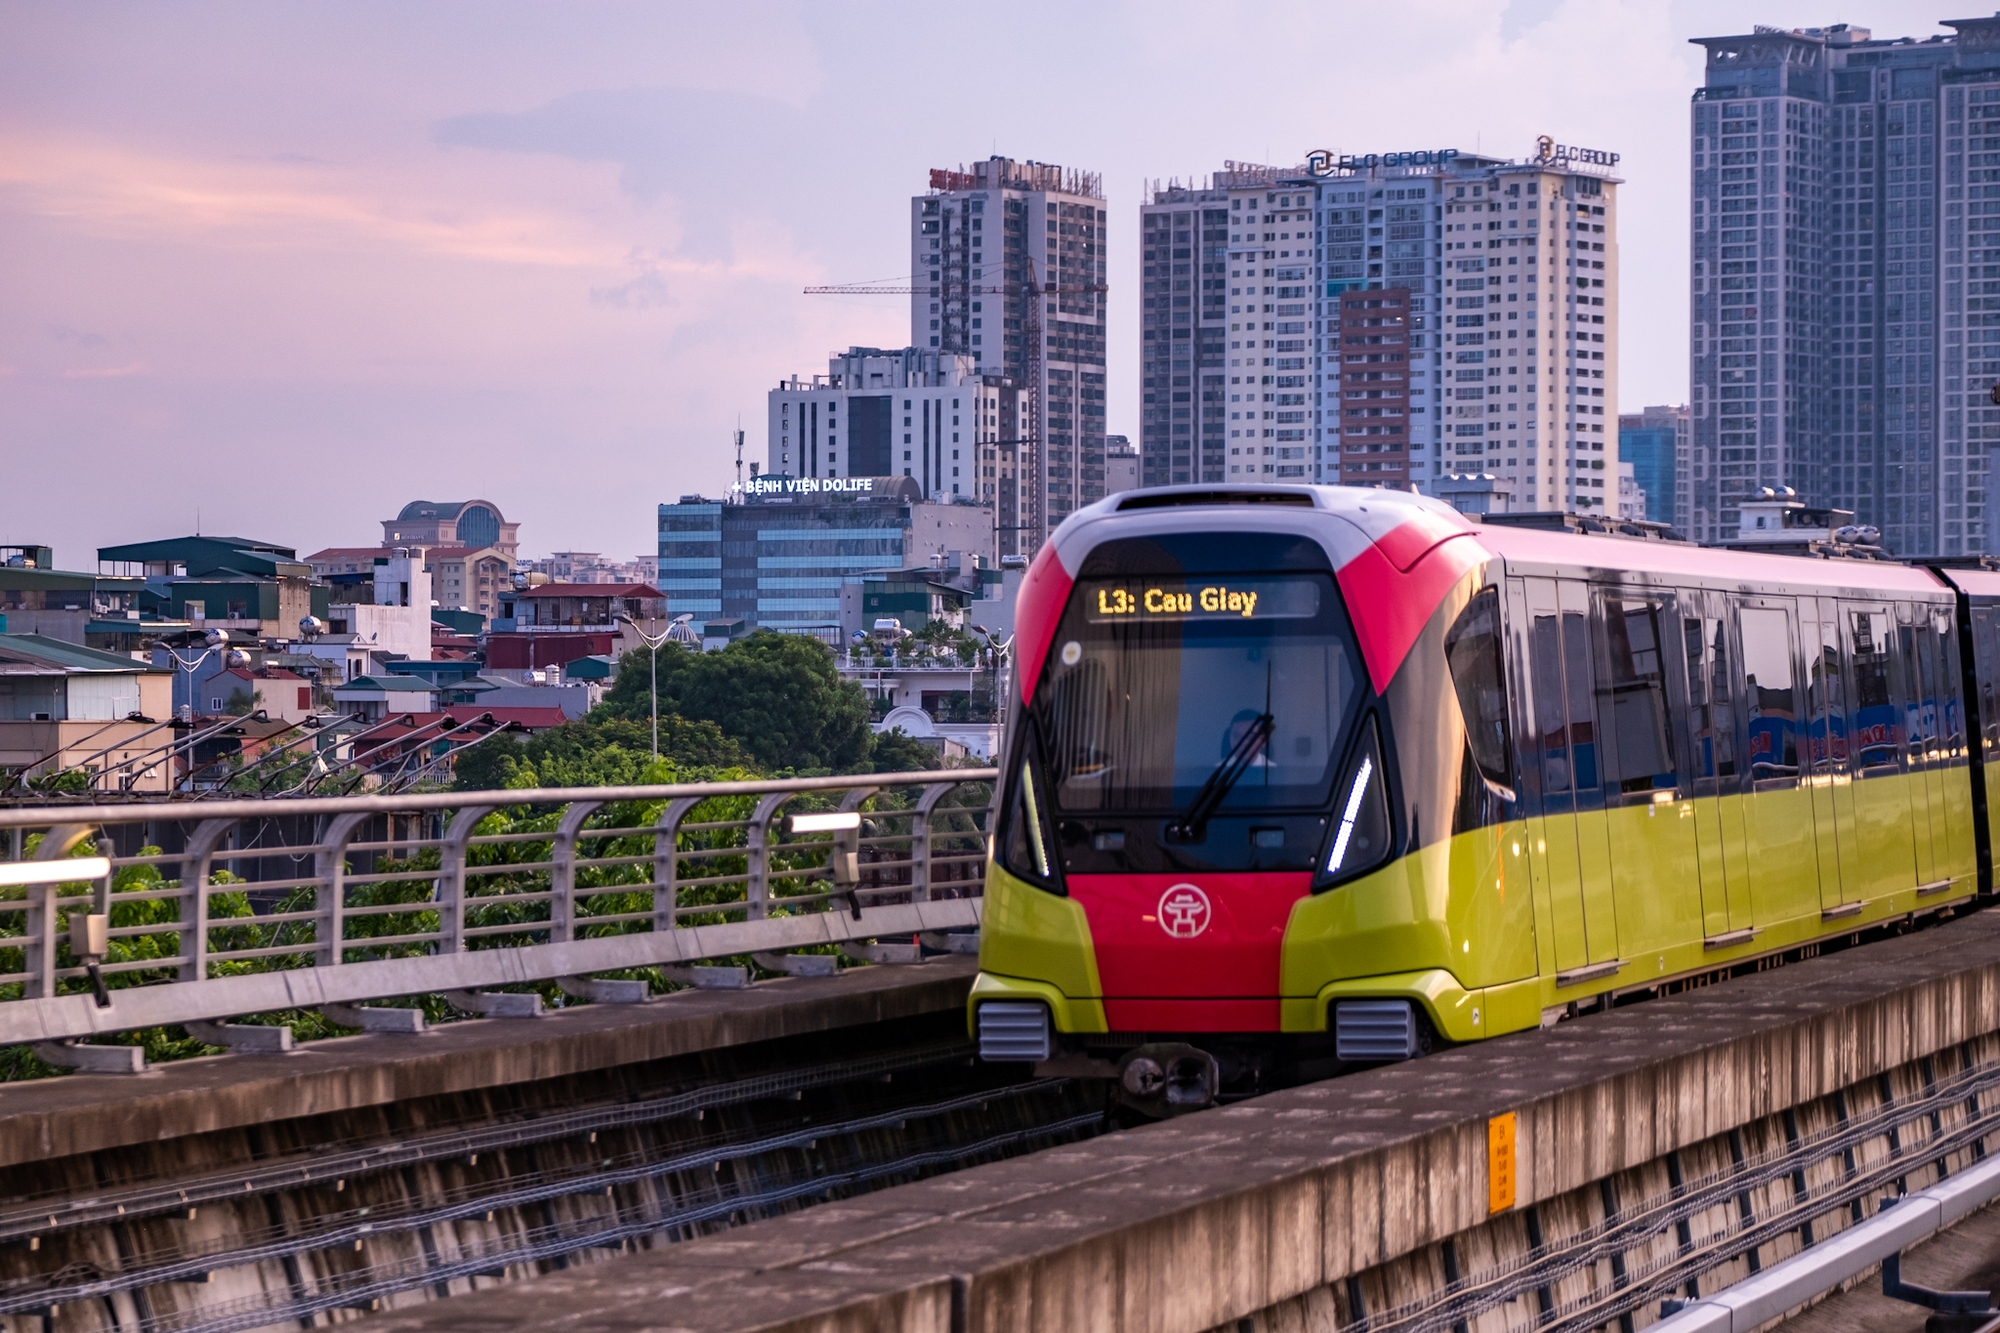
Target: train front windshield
x=1156 y=684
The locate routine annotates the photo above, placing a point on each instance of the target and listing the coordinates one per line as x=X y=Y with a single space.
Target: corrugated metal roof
x=41 y=650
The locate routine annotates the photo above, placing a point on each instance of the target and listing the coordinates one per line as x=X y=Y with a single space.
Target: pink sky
x=288 y=267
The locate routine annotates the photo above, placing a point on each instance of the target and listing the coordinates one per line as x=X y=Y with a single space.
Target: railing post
x=562 y=871
x=41 y=928
x=331 y=894
x=667 y=862
x=196 y=861
x=44 y=923
x=920 y=840
x=451 y=880
x=757 y=880
x=850 y=841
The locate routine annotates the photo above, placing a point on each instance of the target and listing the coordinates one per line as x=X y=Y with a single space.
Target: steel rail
x=1657 y=1216
x=330 y=1231
x=365 y=1287
x=47 y=1215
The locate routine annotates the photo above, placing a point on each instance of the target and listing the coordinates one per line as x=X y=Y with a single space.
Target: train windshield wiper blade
x=1189 y=826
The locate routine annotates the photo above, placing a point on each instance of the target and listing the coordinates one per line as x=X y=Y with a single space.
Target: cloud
x=68 y=335
x=644 y=292
x=118 y=193
x=108 y=372
x=713 y=152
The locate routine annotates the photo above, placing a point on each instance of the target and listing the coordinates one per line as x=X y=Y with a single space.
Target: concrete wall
x=1194 y=1223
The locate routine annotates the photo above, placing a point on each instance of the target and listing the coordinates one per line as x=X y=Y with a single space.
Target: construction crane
x=912 y=289
x=1032 y=291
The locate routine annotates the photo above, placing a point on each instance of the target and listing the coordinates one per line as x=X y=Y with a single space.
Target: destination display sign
x=1113 y=600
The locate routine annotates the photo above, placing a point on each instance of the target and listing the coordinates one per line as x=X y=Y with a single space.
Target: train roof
x=1366 y=516
x=1974 y=582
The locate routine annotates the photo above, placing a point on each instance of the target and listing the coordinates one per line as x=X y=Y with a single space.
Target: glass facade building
x=1842 y=196
x=1655 y=443
x=778 y=561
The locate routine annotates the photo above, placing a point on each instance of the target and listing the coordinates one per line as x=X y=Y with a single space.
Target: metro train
x=1298 y=778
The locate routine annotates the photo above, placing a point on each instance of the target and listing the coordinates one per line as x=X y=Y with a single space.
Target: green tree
x=777 y=695
x=597 y=752
x=897 y=752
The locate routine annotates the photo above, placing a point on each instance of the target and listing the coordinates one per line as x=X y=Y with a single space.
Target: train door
x=1574 y=843
x=1780 y=844
x=1654 y=869
x=1986 y=673
x=1712 y=779
x=1941 y=716
x=1923 y=703
x=1829 y=775
x=1956 y=849
x=1881 y=795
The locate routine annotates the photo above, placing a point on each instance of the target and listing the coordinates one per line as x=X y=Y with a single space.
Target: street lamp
x=218 y=642
x=1001 y=648
x=653 y=643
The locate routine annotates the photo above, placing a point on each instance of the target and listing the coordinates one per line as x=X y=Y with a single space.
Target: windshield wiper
x=1190 y=826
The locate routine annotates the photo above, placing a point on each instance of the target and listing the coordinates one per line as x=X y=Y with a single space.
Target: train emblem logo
x=1184 y=911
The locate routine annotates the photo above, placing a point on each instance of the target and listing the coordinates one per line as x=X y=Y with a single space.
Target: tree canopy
x=602 y=752
x=778 y=696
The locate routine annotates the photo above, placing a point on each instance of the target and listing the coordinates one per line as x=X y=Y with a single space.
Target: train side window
x=1770 y=692
x=1577 y=678
x=1551 y=717
x=1874 y=703
x=1950 y=681
x=1826 y=697
x=1632 y=700
x=1472 y=647
x=1711 y=720
x=1920 y=700
x=1986 y=670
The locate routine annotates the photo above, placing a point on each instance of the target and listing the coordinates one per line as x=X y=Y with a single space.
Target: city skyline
x=556 y=265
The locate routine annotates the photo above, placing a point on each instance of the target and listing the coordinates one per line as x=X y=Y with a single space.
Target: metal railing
x=224 y=908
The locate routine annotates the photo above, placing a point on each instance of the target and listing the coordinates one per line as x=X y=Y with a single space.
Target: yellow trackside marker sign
x=1500 y=1163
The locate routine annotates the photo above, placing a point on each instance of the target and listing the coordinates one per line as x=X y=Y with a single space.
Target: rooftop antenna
x=739 y=456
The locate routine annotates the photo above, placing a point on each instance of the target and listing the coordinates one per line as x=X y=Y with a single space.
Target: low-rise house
x=91 y=610
x=465 y=579
x=65 y=707
x=554 y=624
x=275 y=692
x=258 y=588
x=493 y=692
x=376 y=697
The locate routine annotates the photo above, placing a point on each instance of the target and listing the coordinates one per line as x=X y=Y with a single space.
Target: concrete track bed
x=1256 y=1216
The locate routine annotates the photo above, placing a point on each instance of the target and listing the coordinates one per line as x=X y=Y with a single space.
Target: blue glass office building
x=776 y=557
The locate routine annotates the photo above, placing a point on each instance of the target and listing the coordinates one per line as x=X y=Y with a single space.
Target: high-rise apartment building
x=1268 y=295
x=1843 y=203
x=1184 y=322
x=981 y=241
x=908 y=412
